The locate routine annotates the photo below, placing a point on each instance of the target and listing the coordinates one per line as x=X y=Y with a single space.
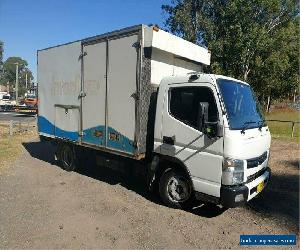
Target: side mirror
x=202 y=115
x=211 y=129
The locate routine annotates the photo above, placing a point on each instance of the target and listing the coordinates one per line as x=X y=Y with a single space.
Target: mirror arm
x=202 y=115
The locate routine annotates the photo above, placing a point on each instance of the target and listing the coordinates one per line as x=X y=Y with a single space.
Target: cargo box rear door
x=93 y=104
x=59 y=72
x=122 y=86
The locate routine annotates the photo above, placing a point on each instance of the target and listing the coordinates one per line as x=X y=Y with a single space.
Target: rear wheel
x=175 y=189
x=66 y=157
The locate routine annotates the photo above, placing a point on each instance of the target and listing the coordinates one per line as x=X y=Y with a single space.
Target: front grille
x=256 y=175
x=254 y=162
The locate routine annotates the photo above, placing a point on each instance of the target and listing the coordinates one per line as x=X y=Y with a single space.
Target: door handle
x=169 y=139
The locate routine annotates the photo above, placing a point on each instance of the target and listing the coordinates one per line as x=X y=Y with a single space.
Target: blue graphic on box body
x=94 y=135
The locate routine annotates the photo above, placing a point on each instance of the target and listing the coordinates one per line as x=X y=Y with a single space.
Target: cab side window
x=184 y=104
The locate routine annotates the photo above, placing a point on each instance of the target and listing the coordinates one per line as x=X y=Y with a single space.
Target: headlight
x=233 y=171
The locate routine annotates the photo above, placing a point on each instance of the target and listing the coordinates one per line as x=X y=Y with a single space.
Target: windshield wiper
x=245 y=126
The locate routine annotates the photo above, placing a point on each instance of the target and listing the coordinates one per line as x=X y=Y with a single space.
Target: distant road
x=7 y=116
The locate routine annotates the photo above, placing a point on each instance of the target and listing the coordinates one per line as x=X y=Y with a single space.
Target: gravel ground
x=42 y=206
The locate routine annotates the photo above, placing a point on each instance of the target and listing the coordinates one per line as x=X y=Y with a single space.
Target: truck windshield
x=242 y=109
x=6 y=97
x=31 y=96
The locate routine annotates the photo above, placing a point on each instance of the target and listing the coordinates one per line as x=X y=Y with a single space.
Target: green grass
x=11 y=146
x=284 y=130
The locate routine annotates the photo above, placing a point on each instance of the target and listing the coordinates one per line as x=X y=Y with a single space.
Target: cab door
x=182 y=138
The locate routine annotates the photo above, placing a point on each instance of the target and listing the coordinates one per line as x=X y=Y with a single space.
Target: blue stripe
x=122 y=143
x=90 y=135
x=47 y=127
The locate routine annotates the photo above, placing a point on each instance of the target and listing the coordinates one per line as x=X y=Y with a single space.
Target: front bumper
x=26 y=110
x=233 y=196
x=6 y=107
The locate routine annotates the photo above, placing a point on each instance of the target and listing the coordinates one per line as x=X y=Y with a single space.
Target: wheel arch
x=160 y=164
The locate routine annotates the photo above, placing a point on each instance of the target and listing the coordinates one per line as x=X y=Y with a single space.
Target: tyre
x=175 y=189
x=66 y=157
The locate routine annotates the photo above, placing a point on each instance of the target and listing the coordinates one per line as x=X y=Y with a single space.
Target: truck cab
x=29 y=105
x=211 y=127
x=7 y=104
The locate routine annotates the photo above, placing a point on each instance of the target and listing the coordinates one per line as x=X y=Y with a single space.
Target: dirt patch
x=281 y=199
x=43 y=206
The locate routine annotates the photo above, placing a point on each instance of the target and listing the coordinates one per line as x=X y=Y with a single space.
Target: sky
x=29 y=25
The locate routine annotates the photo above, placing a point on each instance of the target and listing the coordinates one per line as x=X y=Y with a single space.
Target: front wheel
x=175 y=189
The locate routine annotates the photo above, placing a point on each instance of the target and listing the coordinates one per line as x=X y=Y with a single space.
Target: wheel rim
x=178 y=189
x=67 y=156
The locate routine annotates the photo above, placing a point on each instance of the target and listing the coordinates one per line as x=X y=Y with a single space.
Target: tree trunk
x=246 y=72
x=269 y=103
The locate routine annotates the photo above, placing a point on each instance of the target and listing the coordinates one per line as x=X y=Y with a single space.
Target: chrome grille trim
x=254 y=162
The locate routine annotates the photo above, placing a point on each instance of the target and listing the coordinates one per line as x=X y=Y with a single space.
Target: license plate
x=260 y=187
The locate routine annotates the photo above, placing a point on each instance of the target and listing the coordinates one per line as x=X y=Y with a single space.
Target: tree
x=275 y=69
x=1 y=57
x=252 y=40
x=9 y=73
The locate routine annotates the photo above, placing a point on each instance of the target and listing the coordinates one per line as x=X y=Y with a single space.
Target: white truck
x=2 y=93
x=138 y=95
x=6 y=103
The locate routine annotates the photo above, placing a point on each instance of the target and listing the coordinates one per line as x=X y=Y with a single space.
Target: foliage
x=9 y=73
x=1 y=57
x=252 y=40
